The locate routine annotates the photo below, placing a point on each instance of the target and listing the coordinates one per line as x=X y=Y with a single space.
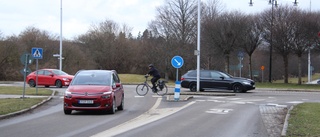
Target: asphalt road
x=259 y=113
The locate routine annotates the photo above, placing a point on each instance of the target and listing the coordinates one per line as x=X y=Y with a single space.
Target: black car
x=212 y=79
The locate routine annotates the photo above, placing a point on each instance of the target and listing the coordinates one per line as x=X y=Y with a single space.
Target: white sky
x=79 y=15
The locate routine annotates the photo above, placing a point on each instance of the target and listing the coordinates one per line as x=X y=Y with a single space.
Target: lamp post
x=309 y=59
x=60 y=54
x=273 y=3
x=198 y=49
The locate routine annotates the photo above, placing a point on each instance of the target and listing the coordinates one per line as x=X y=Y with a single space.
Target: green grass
x=303 y=79
x=304 y=120
x=19 y=91
x=288 y=86
x=16 y=104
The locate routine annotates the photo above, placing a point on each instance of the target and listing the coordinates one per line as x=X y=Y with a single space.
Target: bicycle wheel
x=142 y=89
x=163 y=91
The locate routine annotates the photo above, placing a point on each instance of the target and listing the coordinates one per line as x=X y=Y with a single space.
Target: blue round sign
x=177 y=61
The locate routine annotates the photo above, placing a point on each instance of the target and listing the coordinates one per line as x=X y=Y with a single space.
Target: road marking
x=234 y=98
x=295 y=102
x=217 y=101
x=238 y=102
x=276 y=105
x=219 y=111
x=150 y=116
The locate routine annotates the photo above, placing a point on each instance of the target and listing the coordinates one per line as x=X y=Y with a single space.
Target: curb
x=285 y=125
x=27 y=109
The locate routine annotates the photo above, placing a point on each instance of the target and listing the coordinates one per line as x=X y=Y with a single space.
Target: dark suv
x=212 y=79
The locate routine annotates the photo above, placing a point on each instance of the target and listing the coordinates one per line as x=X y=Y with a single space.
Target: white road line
x=143 y=119
x=219 y=111
x=295 y=102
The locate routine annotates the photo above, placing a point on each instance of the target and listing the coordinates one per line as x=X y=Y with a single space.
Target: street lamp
x=60 y=54
x=198 y=48
x=273 y=3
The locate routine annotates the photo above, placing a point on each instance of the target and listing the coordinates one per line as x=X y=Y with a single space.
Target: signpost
x=37 y=54
x=25 y=59
x=177 y=63
x=262 y=68
x=240 y=57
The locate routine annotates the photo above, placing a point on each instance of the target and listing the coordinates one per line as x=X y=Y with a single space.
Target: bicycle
x=143 y=88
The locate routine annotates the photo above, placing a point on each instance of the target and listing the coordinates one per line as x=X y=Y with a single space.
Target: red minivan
x=94 y=90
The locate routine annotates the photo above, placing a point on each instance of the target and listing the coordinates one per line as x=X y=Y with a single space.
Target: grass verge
x=10 y=105
x=288 y=86
x=10 y=90
x=304 y=120
x=16 y=104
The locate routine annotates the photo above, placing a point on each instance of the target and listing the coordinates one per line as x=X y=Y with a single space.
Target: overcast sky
x=79 y=15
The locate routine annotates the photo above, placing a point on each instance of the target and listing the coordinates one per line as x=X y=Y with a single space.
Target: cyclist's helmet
x=150 y=65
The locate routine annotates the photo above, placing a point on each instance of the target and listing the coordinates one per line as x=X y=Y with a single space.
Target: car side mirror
x=222 y=78
x=116 y=85
x=51 y=75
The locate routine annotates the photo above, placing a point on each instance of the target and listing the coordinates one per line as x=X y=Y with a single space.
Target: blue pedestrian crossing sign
x=37 y=53
x=177 y=62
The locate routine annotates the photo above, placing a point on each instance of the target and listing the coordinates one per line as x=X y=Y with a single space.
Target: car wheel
x=32 y=83
x=113 y=108
x=237 y=88
x=122 y=103
x=193 y=87
x=67 y=112
x=58 y=84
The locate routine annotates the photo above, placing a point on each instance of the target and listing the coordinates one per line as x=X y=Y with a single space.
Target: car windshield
x=92 y=78
x=59 y=72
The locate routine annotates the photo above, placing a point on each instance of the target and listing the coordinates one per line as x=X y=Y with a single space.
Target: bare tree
x=304 y=35
x=225 y=33
x=210 y=55
x=176 y=26
x=252 y=38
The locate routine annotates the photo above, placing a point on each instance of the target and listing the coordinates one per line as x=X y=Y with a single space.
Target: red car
x=94 y=90
x=49 y=77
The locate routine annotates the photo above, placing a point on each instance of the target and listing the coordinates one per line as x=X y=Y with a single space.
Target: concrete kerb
x=28 y=109
x=285 y=124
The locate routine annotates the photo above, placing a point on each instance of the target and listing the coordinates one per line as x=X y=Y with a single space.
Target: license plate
x=85 y=101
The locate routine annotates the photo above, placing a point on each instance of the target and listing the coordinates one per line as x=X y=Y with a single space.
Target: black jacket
x=154 y=72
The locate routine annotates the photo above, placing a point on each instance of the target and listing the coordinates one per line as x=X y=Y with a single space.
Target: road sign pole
x=37 y=53
x=25 y=74
x=37 y=77
x=177 y=63
x=177 y=87
x=177 y=91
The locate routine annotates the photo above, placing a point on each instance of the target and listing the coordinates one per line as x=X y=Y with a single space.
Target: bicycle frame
x=143 y=88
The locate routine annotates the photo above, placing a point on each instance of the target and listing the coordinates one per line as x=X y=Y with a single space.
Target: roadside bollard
x=177 y=91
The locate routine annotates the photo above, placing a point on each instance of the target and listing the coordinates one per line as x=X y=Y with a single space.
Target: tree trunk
x=285 y=61
x=299 y=69
x=226 y=63
x=250 y=67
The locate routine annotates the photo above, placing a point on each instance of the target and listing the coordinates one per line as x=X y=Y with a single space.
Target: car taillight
x=182 y=78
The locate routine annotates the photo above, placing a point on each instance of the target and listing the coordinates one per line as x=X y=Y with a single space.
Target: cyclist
x=156 y=76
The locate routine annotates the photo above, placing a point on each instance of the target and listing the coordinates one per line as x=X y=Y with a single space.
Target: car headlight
x=67 y=94
x=106 y=95
x=246 y=83
x=65 y=79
